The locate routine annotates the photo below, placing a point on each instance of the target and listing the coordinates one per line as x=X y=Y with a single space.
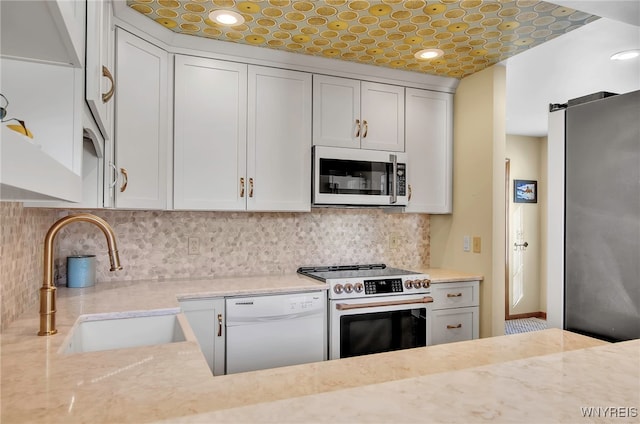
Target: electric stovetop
x=325 y=273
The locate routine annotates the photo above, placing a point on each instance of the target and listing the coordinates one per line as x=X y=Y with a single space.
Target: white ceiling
x=573 y=65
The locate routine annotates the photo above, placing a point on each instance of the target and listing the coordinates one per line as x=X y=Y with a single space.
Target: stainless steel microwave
x=358 y=177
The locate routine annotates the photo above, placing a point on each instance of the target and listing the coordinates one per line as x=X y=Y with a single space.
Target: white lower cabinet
x=207 y=320
x=455 y=312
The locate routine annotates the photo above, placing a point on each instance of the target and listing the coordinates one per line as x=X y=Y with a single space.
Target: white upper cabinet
x=429 y=143
x=142 y=124
x=99 y=80
x=210 y=134
x=355 y=114
x=382 y=116
x=279 y=140
x=336 y=112
x=242 y=137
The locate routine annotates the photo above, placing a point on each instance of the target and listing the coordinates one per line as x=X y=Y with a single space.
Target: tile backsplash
x=22 y=234
x=154 y=245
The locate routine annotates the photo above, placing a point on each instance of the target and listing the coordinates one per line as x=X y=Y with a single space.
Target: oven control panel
x=388 y=286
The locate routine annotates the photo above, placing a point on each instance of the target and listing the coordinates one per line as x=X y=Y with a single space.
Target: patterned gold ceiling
x=473 y=34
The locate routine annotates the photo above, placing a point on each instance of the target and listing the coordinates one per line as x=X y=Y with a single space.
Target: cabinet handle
x=115 y=174
x=126 y=180
x=219 y=325
x=366 y=129
x=241 y=186
x=454 y=294
x=250 y=187
x=109 y=94
x=451 y=327
x=409 y=192
x=357 y=128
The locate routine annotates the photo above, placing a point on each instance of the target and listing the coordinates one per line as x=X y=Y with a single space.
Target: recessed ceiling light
x=626 y=55
x=226 y=17
x=428 y=54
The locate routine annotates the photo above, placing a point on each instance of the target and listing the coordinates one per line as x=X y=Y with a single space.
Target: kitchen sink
x=98 y=332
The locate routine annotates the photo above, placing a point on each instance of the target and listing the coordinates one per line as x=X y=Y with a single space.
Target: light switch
x=467 y=244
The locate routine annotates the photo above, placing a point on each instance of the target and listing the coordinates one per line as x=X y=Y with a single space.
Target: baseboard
x=539 y=314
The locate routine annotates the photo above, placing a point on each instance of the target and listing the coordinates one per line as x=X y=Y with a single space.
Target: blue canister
x=81 y=270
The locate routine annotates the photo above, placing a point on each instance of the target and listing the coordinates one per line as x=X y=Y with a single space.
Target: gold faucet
x=48 y=290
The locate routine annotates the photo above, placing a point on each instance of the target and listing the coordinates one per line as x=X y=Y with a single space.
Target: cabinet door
x=210 y=134
x=99 y=65
x=279 y=140
x=454 y=325
x=429 y=146
x=142 y=126
x=336 y=112
x=382 y=117
x=207 y=320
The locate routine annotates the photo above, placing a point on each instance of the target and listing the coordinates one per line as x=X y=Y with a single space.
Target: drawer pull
x=219 y=325
x=454 y=294
x=451 y=327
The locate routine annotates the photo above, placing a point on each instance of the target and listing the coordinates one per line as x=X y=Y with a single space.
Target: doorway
x=523 y=304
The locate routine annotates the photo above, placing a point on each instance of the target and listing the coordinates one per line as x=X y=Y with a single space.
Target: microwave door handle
x=394 y=178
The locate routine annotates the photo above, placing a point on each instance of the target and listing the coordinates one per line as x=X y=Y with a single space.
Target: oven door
x=380 y=324
x=344 y=176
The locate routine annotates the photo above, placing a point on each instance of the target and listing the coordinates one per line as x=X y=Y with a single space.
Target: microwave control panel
x=402 y=179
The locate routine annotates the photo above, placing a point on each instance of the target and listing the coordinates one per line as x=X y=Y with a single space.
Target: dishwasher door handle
x=347 y=306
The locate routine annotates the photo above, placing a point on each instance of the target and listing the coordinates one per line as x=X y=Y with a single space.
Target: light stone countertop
x=173 y=382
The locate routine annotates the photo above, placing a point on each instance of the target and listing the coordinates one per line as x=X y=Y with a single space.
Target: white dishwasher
x=275 y=330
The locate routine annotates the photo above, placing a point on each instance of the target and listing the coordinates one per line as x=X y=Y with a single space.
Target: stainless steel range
x=374 y=308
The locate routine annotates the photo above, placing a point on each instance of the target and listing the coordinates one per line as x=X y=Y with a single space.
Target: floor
x=524 y=325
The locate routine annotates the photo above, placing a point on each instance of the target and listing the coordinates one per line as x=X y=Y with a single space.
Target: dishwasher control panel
x=244 y=309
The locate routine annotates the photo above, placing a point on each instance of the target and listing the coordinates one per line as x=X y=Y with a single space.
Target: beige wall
x=153 y=245
x=525 y=154
x=478 y=193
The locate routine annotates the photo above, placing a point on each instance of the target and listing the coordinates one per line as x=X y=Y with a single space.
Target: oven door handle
x=347 y=306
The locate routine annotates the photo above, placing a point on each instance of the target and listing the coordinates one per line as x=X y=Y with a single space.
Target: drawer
x=454 y=325
x=455 y=295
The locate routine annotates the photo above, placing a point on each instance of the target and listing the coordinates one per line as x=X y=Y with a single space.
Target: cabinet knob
x=109 y=94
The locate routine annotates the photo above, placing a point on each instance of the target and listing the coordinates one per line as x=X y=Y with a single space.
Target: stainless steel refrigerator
x=602 y=218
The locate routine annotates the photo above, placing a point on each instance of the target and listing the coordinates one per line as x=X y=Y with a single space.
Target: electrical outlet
x=394 y=241
x=467 y=244
x=194 y=246
x=477 y=245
